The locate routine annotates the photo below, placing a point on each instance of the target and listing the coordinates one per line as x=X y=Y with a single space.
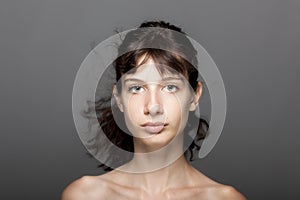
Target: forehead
x=150 y=71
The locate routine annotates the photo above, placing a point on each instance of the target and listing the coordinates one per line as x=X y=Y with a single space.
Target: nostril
x=155 y=109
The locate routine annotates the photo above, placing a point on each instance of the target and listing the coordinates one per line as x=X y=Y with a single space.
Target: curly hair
x=128 y=60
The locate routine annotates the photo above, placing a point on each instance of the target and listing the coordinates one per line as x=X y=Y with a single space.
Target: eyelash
x=133 y=89
x=173 y=86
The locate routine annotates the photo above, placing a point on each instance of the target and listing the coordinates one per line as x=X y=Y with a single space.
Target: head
x=154 y=85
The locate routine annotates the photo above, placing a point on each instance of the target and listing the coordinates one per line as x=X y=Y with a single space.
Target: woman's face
x=155 y=106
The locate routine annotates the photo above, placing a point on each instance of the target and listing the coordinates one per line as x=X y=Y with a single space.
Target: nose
x=153 y=104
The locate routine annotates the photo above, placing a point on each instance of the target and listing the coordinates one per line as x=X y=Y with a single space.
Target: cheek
x=175 y=107
x=178 y=111
x=133 y=108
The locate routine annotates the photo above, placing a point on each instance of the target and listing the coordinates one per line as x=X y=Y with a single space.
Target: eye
x=171 y=88
x=136 y=89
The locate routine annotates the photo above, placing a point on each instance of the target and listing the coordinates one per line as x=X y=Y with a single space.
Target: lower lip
x=154 y=129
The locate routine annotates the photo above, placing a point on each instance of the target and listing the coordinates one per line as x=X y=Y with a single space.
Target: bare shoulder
x=207 y=188
x=86 y=187
x=224 y=192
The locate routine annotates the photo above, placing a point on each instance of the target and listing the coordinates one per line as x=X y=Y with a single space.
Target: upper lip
x=154 y=124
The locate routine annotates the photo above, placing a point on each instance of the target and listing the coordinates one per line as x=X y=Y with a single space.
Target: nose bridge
x=153 y=100
x=153 y=94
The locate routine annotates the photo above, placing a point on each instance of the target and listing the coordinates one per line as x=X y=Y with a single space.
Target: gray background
x=254 y=43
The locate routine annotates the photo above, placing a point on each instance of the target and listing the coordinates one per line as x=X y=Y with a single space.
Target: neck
x=151 y=158
x=155 y=172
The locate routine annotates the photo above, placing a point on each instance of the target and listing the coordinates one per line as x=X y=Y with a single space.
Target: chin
x=155 y=141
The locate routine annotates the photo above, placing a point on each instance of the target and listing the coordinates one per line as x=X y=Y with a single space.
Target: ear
x=196 y=97
x=117 y=97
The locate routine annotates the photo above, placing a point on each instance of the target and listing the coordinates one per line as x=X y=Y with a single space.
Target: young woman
x=156 y=94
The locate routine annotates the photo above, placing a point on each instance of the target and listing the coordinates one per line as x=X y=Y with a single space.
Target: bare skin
x=186 y=183
x=163 y=174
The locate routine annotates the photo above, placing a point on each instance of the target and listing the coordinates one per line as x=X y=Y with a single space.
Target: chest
x=191 y=194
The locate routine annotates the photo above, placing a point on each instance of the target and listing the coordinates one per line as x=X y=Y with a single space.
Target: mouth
x=154 y=127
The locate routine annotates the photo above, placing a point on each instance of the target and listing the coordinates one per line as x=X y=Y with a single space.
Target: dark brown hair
x=179 y=55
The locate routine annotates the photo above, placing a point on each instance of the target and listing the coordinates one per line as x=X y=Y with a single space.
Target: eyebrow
x=162 y=80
